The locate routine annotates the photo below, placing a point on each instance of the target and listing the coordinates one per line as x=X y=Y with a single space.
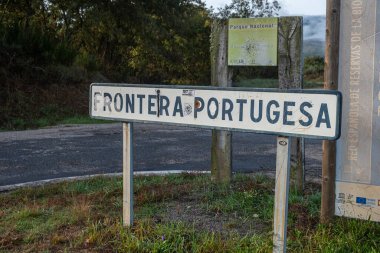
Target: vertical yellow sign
x=252 y=41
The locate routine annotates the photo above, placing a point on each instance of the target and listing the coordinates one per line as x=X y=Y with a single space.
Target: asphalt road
x=66 y=151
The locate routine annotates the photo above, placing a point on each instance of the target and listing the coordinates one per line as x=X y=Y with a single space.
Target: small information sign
x=252 y=41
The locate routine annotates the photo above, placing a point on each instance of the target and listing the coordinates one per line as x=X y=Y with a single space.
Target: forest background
x=51 y=50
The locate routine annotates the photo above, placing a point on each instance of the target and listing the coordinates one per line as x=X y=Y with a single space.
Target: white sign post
x=127 y=174
x=302 y=113
x=280 y=219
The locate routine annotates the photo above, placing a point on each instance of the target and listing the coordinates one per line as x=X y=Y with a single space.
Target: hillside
x=314 y=35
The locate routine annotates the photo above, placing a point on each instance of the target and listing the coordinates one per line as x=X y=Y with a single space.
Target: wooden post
x=221 y=75
x=281 y=197
x=127 y=174
x=290 y=75
x=331 y=83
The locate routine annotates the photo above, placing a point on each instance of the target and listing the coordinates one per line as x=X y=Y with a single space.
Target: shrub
x=314 y=68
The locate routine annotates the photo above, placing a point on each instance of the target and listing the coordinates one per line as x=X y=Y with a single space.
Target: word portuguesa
x=313 y=113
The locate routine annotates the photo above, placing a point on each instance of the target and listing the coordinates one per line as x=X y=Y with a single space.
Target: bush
x=86 y=61
x=314 y=68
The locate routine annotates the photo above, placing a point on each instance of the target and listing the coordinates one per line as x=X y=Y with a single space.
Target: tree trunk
x=331 y=83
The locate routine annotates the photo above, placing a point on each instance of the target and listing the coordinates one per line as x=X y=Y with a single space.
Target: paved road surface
x=91 y=149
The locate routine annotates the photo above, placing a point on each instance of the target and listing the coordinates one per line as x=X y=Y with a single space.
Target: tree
x=48 y=43
x=249 y=9
x=173 y=46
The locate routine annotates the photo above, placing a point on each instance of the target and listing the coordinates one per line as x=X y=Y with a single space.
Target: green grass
x=176 y=213
x=273 y=83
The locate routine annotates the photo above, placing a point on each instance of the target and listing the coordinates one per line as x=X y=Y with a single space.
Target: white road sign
x=307 y=113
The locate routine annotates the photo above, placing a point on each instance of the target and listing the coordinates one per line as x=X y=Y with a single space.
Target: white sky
x=289 y=7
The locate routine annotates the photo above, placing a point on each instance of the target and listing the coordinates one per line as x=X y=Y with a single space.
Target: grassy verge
x=177 y=213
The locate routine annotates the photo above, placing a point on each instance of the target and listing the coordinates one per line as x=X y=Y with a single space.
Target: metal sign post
x=281 y=194
x=301 y=113
x=127 y=174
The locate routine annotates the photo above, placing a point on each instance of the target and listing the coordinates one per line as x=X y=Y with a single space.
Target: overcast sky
x=289 y=7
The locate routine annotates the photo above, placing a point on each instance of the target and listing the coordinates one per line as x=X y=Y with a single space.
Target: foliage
x=148 y=40
x=249 y=9
x=64 y=45
x=314 y=67
x=175 y=213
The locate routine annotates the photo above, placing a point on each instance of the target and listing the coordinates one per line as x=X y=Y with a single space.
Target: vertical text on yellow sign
x=252 y=41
